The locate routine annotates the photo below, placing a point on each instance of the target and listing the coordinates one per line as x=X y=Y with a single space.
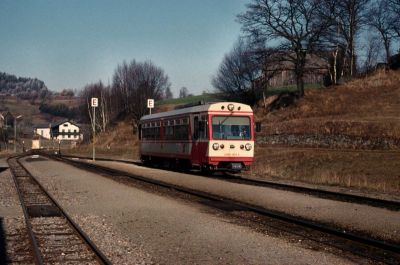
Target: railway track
x=383 y=251
x=321 y=193
x=54 y=237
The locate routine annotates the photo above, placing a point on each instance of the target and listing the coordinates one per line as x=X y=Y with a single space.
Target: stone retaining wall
x=330 y=141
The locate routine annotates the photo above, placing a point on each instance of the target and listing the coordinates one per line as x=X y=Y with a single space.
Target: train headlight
x=222 y=146
x=241 y=146
x=215 y=146
x=231 y=107
x=248 y=147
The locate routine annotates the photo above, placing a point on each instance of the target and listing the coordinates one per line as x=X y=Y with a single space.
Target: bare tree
x=372 y=53
x=394 y=7
x=67 y=93
x=297 y=25
x=239 y=75
x=168 y=93
x=380 y=19
x=183 y=92
x=351 y=16
x=133 y=84
x=103 y=114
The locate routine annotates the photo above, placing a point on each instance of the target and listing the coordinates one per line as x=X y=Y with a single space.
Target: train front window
x=231 y=128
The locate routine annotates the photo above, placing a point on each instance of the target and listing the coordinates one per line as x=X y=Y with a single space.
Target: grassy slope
x=364 y=107
x=118 y=143
x=30 y=112
x=368 y=106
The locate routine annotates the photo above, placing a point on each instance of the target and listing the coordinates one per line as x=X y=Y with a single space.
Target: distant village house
x=6 y=119
x=316 y=70
x=66 y=131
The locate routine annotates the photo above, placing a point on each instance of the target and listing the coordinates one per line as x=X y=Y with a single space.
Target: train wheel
x=145 y=160
x=207 y=170
x=173 y=164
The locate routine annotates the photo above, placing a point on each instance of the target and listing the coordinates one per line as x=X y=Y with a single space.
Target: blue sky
x=68 y=44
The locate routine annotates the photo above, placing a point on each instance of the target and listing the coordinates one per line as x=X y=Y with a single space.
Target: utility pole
x=15 y=132
x=15 y=135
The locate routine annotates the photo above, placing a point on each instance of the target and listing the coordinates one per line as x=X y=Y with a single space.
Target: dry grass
x=6 y=153
x=119 y=142
x=368 y=106
x=371 y=170
x=30 y=112
x=70 y=102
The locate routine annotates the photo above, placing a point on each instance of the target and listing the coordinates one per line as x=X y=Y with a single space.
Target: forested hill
x=22 y=87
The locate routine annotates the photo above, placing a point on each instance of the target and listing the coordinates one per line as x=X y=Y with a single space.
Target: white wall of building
x=66 y=128
x=44 y=132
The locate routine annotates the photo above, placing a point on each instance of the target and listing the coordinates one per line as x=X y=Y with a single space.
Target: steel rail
x=34 y=244
x=322 y=193
x=100 y=257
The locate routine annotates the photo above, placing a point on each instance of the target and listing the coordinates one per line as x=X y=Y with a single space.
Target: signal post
x=94 y=103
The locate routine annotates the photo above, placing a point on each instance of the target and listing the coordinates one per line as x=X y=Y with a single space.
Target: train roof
x=208 y=107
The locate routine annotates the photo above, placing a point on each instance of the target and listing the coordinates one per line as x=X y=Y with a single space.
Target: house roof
x=5 y=113
x=64 y=121
x=281 y=61
x=44 y=126
x=54 y=125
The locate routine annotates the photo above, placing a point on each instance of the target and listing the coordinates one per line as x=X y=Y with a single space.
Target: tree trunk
x=300 y=65
x=386 y=43
x=301 y=86
x=335 y=53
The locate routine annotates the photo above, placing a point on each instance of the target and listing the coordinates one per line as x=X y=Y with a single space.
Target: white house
x=64 y=130
x=43 y=131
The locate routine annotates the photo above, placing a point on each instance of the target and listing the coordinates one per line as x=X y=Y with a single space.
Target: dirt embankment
x=347 y=135
x=362 y=114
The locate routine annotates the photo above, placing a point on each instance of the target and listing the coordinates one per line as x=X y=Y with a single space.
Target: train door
x=200 y=142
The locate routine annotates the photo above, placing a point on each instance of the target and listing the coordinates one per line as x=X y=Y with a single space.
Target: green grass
x=292 y=88
x=207 y=97
x=212 y=97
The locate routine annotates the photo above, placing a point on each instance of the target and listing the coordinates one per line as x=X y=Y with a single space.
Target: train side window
x=202 y=129
x=196 y=128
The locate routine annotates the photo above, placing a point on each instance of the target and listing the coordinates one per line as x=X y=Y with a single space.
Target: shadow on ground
x=3 y=257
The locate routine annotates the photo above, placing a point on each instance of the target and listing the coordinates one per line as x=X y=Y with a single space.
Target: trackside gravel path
x=371 y=220
x=160 y=229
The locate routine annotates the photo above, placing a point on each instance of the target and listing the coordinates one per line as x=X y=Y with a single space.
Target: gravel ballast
x=133 y=226
x=16 y=243
x=375 y=221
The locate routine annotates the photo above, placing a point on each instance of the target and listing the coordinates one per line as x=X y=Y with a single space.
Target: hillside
x=365 y=110
x=348 y=135
x=22 y=87
x=30 y=111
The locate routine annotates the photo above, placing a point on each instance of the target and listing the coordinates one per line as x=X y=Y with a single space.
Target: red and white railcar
x=214 y=136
